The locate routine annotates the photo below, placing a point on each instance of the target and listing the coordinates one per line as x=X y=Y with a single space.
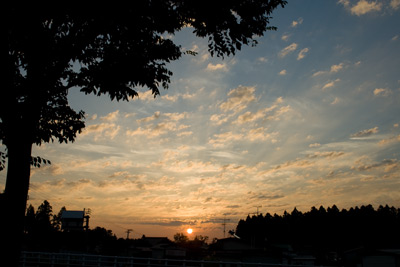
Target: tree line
x=324 y=230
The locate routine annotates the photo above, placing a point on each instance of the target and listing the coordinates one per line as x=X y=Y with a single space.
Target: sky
x=308 y=117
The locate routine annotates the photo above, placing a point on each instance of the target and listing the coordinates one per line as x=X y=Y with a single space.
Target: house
x=158 y=248
x=74 y=220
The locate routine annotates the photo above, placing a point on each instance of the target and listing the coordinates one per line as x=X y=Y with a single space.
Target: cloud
x=318 y=73
x=297 y=22
x=365 y=133
x=302 y=53
x=218 y=66
x=112 y=116
x=314 y=145
x=285 y=37
x=146 y=95
x=233 y=206
x=155 y=116
x=388 y=165
x=166 y=122
x=109 y=130
x=269 y=113
x=262 y=59
x=381 y=92
x=363 y=7
x=336 y=68
x=335 y=101
x=330 y=84
x=333 y=69
x=219 y=118
x=166 y=223
x=260 y=134
x=222 y=139
x=282 y=72
x=345 y=3
x=238 y=99
x=390 y=140
x=395 y=4
x=263 y=196
x=287 y=50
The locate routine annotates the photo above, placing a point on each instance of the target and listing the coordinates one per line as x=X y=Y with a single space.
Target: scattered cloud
x=297 y=22
x=394 y=38
x=395 y=4
x=381 y=92
x=274 y=112
x=330 y=84
x=112 y=116
x=365 y=133
x=387 y=165
x=390 y=140
x=222 y=139
x=159 y=124
x=108 y=130
x=335 y=101
x=336 y=68
x=333 y=69
x=216 y=67
x=262 y=59
x=282 y=72
x=315 y=74
x=285 y=37
x=238 y=99
x=363 y=7
x=302 y=53
x=287 y=50
x=263 y=196
x=314 y=145
x=345 y=3
x=146 y=95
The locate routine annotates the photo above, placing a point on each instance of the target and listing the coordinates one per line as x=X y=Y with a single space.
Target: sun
x=189 y=231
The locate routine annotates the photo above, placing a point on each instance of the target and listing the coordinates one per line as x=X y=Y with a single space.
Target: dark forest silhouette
x=325 y=231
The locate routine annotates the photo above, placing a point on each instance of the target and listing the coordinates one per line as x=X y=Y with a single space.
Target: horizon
x=308 y=117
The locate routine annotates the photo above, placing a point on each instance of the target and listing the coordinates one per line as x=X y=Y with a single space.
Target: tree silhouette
x=99 y=49
x=180 y=238
x=323 y=231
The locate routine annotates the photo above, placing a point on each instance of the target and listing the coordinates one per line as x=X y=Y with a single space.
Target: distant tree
x=56 y=220
x=201 y=239
x=44 y=215
x=180 y=238
x=100 y=49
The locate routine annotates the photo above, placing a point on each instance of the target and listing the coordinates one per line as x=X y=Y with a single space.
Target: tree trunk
x=15 y=197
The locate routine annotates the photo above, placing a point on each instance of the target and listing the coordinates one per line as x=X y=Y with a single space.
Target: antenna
x=127 y=233
x=257 y=208
x=224 y=224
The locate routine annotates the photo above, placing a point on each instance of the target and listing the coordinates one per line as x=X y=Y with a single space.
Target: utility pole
x=127 y=233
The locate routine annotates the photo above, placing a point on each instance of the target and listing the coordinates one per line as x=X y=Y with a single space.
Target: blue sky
x=308 y=117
